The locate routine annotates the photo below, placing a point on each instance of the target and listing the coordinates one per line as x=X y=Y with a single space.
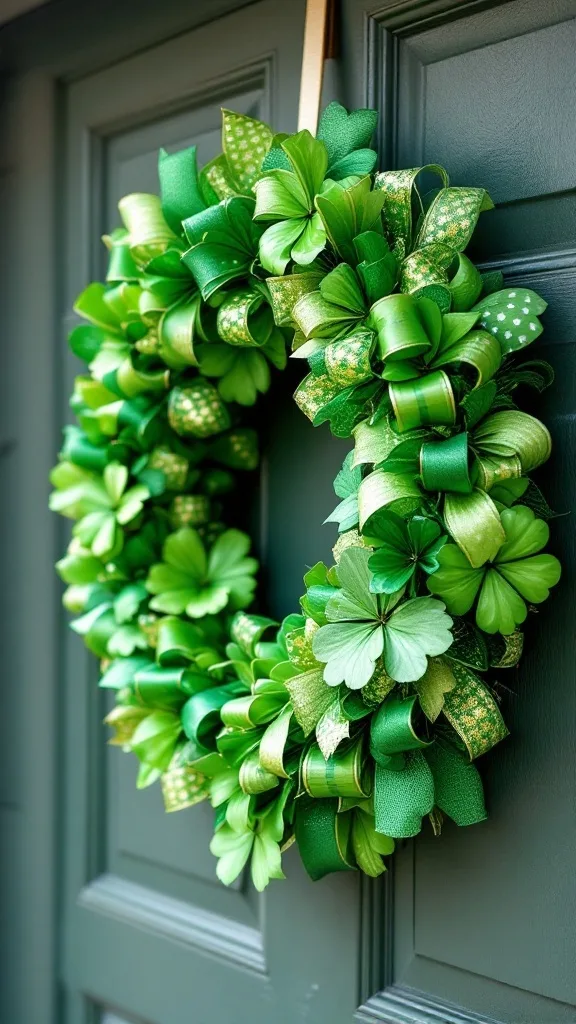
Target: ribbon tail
x=458 y=789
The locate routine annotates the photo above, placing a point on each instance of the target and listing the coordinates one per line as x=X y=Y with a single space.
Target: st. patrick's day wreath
x=363 y=712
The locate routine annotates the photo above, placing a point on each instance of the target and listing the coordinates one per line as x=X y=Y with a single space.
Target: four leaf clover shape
x=402 y=548
x=363 y=627
x=192 y=581
x=287 y=197
x=516 y=575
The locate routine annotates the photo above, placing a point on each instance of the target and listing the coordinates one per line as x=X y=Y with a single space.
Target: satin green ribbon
x=444 y=465
x=395 y=729
x=166 y=688
x=223 y=243
x=121 y=266
x=79 y=450
x=149 y=233
x=423 y=401
x=200 y=715
x=127 y=381
x=343 y=774
x=179 y=642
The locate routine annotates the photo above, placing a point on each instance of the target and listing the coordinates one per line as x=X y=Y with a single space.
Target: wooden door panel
x=149 y=932
x=484 y=917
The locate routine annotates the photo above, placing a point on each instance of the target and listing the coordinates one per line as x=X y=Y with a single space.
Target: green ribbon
x=149 y=233
x=423 y=401
x=197 y=410
x=444 y=465
x=223 y=243
x=342 y=774
x=79 y=450
x=245 y=319
x=413 y=775
x=180 y=192
x=323 y=837
x=433 y=264
x=395 y=729
x=127 y=381
x=166 y=688
x=200 y=715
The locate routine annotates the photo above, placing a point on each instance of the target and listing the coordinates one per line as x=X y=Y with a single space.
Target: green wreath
x=345 y=725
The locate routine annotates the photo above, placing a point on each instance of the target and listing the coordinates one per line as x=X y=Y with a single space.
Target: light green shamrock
x=363 y=626
x=516 y=575
x=192 y=581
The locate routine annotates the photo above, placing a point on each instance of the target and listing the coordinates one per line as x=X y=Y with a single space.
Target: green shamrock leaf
x=243 y=371
x=287 y=197
x=516 y=575
x=347 y=138
x=346 y=487
x=102 y=505
x=245 y=832
x=363 y=626
x=402 y=548
x=347 y=212
x=192 y=581
x=512 y=316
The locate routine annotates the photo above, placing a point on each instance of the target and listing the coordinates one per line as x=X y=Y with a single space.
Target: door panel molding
x=202 y=930
x=402 y=1005
x=409 y=50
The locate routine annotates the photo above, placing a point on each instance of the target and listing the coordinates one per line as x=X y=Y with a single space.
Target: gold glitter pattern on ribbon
x=182 y=787
x=348 y=361
x=233 y=322
x=148 y=623
x=124 y=720
x=314 y=392
x=189 y=510
x=197 y=410
x=174 y=467
x=473 y=712
x=452 y=217
x=285 y=292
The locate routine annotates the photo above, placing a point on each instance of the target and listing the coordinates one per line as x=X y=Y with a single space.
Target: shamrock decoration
x=287 y=197
x=402 y=548
x=512 y=316
x=190 y=580
x=101 y=504
x=243 y=371
x=346 y=487
x=363 y=626
x=516 y=575
x=247 y=830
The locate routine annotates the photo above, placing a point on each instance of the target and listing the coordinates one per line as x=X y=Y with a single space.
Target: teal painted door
x=111 y=910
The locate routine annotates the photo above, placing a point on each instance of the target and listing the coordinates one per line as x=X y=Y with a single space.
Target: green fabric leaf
x=402 y=548
x=343 y=132
x=309 y=159
x=415 y=630
x=350 y=650
x=512 y=316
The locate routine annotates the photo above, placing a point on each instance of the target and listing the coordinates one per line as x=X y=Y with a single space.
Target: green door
x=111 y=911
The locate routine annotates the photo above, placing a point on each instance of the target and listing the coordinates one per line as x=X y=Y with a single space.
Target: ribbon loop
x=444 y=465
x=423 y=401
